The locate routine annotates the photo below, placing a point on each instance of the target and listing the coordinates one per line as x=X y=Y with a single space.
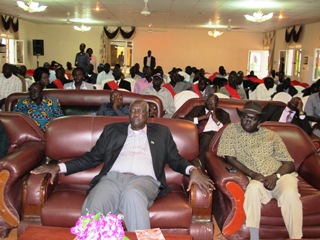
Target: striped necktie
x=289 y=116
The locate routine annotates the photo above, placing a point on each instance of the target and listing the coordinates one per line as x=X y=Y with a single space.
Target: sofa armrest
x=36 y=190
x=13 y=168
x=201 y=204
x=309 y=170
x=216 y=167
x=232 y=185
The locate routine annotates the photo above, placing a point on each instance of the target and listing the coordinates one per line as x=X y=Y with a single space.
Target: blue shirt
x=42 y=114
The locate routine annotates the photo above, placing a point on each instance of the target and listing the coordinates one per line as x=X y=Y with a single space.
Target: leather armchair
x=25 y=152
x=87 y=102
x=229 y=196
x=60 y=204
x=230 y=105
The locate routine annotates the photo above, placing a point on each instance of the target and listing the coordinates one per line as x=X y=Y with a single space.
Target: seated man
x=134 y=156
x=203 y=88
x=118 y=82
x=262 y=156
x=78 y=82
x=264 y=91
x=209 y=120
x=162 y=93
x=312 y=109
x=177 y=84
x=39 y=108
x=292 y=113
x=232 y=89
x=285 y=86
x=115 y=107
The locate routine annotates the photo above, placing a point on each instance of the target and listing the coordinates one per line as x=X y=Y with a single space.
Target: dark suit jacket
x=110 y=143
x=152 y=62
x=198 y=111
x=292 y=90
x=123 y=84
x=274 y=113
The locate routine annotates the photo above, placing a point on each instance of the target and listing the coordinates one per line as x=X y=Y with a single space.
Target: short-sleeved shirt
x=312 y=107
x=262 y=151
x=42 y=114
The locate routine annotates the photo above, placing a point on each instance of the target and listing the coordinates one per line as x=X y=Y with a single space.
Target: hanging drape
x=10 y=25
x=293 y=34
x=124 y=34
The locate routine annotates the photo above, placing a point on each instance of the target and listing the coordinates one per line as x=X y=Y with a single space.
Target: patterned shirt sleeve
x=280 y=151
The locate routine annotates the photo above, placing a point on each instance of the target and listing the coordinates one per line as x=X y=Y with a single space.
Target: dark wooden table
x=58 y=233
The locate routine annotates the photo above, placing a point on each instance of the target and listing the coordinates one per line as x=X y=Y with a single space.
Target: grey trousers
x=126 y=193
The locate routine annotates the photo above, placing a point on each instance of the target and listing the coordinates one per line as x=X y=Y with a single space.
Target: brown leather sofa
x=60 y=204
x=87 y=102
x=229 y=196
x=230 y=105
x=25 y=152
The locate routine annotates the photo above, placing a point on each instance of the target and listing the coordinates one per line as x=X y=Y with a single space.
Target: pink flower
x=98 y=227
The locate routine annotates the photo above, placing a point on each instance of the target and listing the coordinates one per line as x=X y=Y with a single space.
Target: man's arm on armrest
x=248 y=172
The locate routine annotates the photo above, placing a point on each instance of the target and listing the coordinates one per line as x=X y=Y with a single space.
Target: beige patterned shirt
x=261 y=151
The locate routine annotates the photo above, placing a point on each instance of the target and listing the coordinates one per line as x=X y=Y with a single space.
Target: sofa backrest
x=71 y=136
x=298 y=143
x=229 y=105
x=86 y=102
x=20 y=129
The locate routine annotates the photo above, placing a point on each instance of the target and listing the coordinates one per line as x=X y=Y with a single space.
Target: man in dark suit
x=285 y=86
x=132 y=177
x=118 y=82
x=292 y=113
x=209 y=120
x=149 y=61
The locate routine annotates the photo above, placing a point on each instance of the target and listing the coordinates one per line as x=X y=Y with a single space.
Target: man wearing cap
x=162 y=93
x=262 y=156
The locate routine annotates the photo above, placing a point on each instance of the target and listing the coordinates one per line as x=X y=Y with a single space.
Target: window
x=14 y=49
x=316 y=70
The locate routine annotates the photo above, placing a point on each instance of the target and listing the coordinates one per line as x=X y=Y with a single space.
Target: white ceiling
x=170 y=13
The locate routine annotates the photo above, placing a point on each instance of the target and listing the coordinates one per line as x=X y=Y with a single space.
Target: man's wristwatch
x=278 y=175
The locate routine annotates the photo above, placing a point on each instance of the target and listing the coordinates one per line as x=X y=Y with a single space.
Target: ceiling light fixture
x=258 y=16
x=82 y=28
x=215 y=33
x=145 y=11
x=31 y=6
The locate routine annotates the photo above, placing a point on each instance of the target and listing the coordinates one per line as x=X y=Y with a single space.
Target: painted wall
x=309 y=41
x=171 y=47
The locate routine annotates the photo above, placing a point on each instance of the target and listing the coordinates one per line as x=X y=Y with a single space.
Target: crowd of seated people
x=208 y=117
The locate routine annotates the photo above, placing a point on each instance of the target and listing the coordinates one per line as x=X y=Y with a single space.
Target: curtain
x=10 y=25
x=105 y=49
x=124 y=34
x=269 y=42
x=127 y=35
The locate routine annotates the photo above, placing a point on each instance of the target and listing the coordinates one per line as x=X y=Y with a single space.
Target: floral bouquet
x=99 y=227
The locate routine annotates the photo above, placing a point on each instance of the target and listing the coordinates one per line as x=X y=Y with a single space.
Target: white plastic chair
x=132 y=83
x=181 y=97
x=299 y=88
x=282 y=97
x=221 y=95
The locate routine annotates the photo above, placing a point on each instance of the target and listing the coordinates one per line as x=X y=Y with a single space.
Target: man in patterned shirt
x=39 y=108
x=262 y=156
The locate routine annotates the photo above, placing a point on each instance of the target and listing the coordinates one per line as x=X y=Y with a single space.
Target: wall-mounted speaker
x=38 y=48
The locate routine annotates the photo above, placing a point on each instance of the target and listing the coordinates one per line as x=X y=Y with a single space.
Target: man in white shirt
x=106 y=74
x=132 y=176
x=264 y=91
x=149 y=61
x=9 y=83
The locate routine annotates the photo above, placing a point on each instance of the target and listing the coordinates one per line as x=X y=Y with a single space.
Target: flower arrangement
x=99 y=227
